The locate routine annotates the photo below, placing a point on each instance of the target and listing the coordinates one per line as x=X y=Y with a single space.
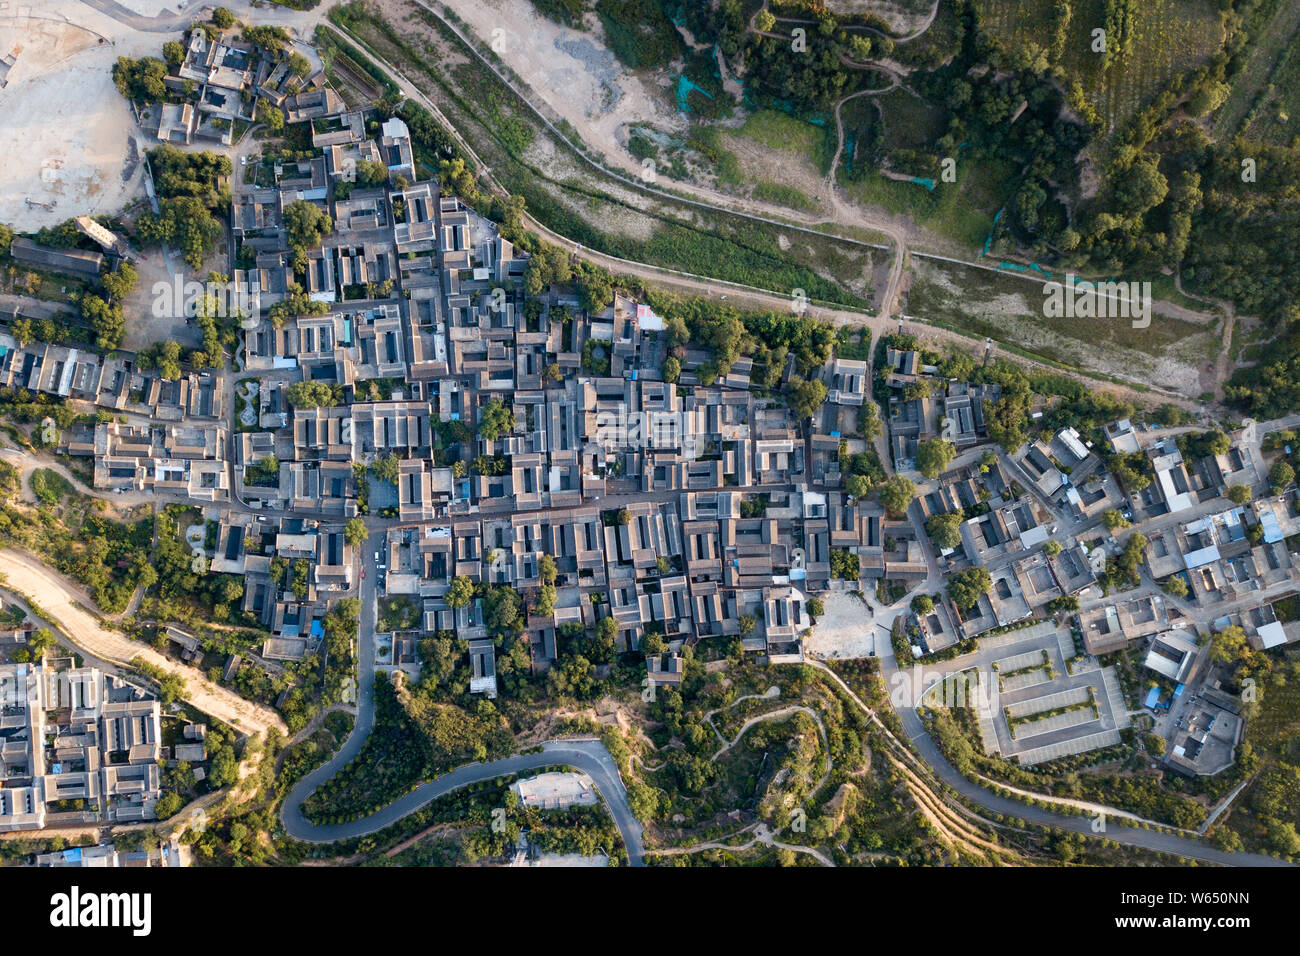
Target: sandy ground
x=151 y=8
x=845 y=630
x=571 y=71
x=59 y=102
x=54 y=596
x=904 y=16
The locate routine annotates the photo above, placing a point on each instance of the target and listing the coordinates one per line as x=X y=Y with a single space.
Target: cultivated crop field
x=1169 y=37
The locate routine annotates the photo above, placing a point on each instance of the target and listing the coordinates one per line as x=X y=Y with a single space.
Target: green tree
x=805 y=396
x=173 y=53
x=607 y=630
x=922 y=604
x=965 y=587
x=896 y=494
x=1113 y=520
x=311 y=394
x=354 y=531
x=1230 y=645
x=495 y=420
x=945 y=529
x=306 y=224
x=269 y=115
x=386 y=468
x=460 y=593
x=168 y=805
x=1280 y=476
x=933 y=456
x=1239 y=494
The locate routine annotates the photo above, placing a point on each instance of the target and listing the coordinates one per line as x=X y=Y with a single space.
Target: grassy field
x=963 y=210
x=777 y=131
x=1170 y=37
x=1009 y=309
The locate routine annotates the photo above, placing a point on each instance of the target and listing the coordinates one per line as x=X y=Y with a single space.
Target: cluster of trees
x=945 y=529
x=312 y=394
x=191 y=188
x=813 y=79
x=933 y=456
x=966 y=587
x=178 y=590
x=305 y=224
x=495 y=420
x=1122 y=571
x=203 y=176
x=165 y=357
x=105 y=314
x=140 y=80
x=185 y=223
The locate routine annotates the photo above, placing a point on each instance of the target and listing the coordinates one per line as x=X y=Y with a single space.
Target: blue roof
x=73 y=855
x=1178 y=691
x=1153 y=697
x=317 y=629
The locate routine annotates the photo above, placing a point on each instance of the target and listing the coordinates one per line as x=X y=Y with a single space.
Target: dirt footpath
x=56 y=598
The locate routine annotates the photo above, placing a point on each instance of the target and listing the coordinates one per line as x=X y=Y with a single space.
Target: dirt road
x=57 y=598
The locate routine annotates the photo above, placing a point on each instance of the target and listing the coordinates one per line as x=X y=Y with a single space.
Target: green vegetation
x=413 y=740
x=966 y=587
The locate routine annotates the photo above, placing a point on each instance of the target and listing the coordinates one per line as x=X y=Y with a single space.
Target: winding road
x=587 y=755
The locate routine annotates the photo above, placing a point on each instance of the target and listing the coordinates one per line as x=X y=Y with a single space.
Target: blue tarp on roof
x=73 y=855
x=317 y=629
x=1153 y=697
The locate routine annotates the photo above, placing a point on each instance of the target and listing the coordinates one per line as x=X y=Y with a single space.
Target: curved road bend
x=1160 y=842
x=589 y=756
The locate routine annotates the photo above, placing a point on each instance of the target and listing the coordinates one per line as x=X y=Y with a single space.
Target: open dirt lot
x=72 y=137
x=572 y=71
x=55 y=597
x=847 y=629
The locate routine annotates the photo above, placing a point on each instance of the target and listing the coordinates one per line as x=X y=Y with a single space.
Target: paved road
x=589 y=756
x=914 y=730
